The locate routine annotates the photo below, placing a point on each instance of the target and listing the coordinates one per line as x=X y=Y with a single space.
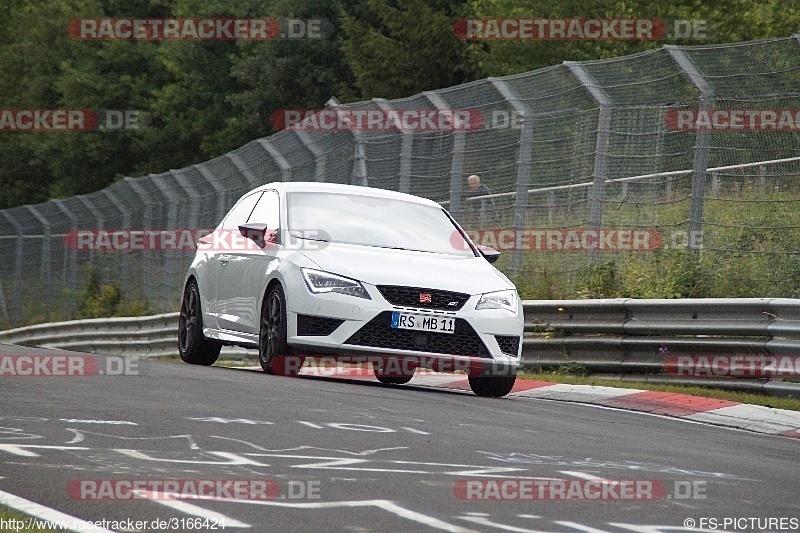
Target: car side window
x=267 y=211
x=240 y=212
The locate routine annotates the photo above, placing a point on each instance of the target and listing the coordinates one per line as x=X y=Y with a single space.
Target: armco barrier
x=147 y=336
x=636 y=336
x=616 y=336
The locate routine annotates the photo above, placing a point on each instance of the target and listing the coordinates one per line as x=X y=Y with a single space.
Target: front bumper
x=487 y=340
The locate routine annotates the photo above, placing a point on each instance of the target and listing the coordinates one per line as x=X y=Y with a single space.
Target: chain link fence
x=672 y=172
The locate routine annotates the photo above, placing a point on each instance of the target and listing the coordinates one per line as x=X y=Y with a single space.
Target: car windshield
x=373 y=221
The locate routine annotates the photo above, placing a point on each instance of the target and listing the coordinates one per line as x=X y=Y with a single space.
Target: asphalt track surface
x=350 y=455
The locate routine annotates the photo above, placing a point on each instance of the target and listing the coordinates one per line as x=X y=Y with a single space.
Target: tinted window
x=241 y=211
x=372 y=221
x=267 y=211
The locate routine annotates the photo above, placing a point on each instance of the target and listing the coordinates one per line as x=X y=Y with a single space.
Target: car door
x=244 y=274
x=221 y=247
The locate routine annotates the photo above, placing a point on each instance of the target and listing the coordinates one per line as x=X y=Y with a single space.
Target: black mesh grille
x=410 y=297
x=509 y=344
x=317 y=325
x=379 y=333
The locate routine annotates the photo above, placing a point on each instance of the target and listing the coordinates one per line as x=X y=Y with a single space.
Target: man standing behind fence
x=480 y=212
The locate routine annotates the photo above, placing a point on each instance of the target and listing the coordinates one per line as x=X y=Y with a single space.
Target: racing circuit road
x=347 y=455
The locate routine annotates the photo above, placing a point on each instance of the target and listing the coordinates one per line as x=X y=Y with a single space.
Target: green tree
x=401 y=48
x=732 y=21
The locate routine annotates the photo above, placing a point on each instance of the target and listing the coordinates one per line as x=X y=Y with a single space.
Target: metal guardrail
x=147 y=336
x=612 y=336
x=633 y=335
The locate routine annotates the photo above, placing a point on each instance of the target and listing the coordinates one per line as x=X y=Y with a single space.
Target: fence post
x=277 y=156
x=124 y=271
x=222 y=194
x=406 y=147
x=601 y=147
x=18 y=266
x=702 y=143
x=523 y=165
x=70 y=267
x=320 y=160
x=457 y=161
x=146 y=203
x=98 y=218
x=45 y=267
x=170 y=261
x=358 y=176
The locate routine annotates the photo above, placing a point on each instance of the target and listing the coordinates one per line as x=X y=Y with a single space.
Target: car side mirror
x=489 y=253
x=258 y=233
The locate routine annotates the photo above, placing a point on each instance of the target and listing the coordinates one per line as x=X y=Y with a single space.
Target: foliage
x=97 y=299
x=206 y=98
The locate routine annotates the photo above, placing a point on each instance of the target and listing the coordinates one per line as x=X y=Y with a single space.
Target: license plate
x=438 y=324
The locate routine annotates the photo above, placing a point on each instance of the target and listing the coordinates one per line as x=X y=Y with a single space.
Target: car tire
x=393 y=379
x=193 y=347
x=272 y=346
x=492 y=386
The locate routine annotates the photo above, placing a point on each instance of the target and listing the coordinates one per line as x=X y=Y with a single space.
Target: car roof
x=312 y=186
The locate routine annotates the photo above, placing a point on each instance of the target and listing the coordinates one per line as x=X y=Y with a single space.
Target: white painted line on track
x=582 y=475
x=580 y=527
x=37 y=510
x=200 y=512
x=483 y=521
x=386 y=505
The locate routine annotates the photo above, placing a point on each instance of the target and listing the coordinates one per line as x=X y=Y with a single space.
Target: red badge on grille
x=424 y=297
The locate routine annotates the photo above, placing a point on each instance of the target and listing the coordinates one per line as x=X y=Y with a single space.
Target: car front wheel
x=492 y=386
x=392 y=378
x=273 y=350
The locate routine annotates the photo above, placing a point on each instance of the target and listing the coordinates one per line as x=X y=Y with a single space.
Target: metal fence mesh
x=553 y=149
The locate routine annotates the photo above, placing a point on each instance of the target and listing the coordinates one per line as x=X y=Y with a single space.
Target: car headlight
x=499 y=300
x=319 y=281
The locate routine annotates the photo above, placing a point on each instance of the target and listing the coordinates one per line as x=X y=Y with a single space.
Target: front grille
x=379 y=333
x=318 y=326
x=509 y=344
x=410 y=297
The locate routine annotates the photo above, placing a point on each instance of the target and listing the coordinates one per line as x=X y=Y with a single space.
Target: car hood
x=383 y=266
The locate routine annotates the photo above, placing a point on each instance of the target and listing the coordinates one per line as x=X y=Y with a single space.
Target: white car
x=354 y=273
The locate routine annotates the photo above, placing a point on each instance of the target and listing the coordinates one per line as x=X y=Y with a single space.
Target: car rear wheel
x=273 y=350
x=492 y=386
x=193 y=347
